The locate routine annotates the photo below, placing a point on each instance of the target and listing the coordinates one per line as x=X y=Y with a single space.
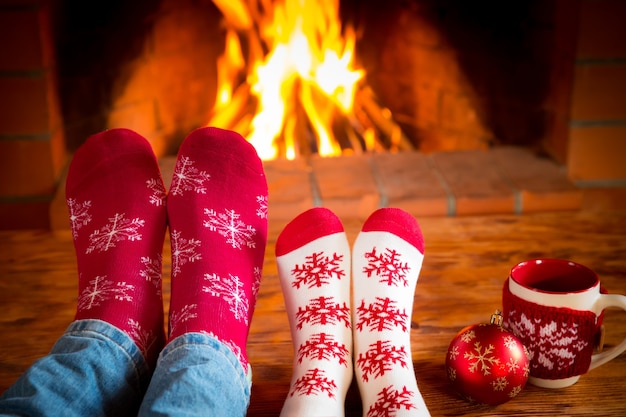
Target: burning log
x=297 y=90
x=231 y=114
x=369 y=128
x=382 y=119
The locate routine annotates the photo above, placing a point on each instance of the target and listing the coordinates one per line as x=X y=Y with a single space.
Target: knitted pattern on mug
x=559 y=340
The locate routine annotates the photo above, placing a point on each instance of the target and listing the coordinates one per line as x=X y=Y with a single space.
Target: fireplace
x=451 y=76
x=441 y=78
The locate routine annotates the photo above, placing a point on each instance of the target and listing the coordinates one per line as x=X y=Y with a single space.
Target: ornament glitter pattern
x=487 y=364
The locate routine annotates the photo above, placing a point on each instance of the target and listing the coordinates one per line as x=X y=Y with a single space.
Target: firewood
x=382 y=119
x=226 y=117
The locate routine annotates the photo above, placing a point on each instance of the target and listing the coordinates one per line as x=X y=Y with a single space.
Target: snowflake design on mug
x=551 y=345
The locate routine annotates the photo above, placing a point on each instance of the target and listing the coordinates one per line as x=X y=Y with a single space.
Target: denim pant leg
x=197 y=375
x=94 y=369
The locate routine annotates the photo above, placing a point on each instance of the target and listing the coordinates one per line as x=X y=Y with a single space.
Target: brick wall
x=168 y=88
x=456 y=76
x=415 y=71
x=471 y=75
x=32 y=147
x=597 y=128
x=586 y=103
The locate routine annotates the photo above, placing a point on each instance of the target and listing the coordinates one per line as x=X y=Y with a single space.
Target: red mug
x=556 y=307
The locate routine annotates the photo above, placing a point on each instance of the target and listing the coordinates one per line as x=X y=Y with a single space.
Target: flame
x=228 y=66
x=305 y=77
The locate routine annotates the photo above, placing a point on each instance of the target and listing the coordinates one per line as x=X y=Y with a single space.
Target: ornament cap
x=496 y=318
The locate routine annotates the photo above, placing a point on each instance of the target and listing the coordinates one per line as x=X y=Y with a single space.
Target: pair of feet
x=350 y=312
x=216 y=209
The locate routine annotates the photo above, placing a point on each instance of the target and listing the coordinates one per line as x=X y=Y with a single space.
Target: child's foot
x=386 y=262
x=313 y=260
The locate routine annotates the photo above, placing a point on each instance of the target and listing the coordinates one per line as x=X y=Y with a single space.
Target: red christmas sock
x=116 y=202
x=386 y=261
x=217 y=208
x=313 y=258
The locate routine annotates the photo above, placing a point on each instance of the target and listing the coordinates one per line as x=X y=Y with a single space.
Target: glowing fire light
x=303 y=79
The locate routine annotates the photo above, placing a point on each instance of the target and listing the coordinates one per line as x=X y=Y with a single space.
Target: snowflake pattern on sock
x=314 y=382
x=187 y=177
x=321 y=311
x=152 y=271
x=117 y=229
x=229 y=225
x=387 y=267
x=319 y=270
x=79 y=215
x=323 y=346
x=179 y=317
x=380 y=315
x=261 y=212
x=101 y=289
x=142 y=337
x=158 y=195
x=389 y=400
x=230 y=289
x=183 y=251
x=381 y=357
x=256 y=281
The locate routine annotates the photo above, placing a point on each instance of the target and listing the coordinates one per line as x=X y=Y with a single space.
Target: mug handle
x=606 y=301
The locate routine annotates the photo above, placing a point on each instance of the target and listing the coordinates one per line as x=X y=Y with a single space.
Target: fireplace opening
x=454 y=83
x=430 y=75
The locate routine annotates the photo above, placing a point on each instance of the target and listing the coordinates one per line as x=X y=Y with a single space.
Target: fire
x=299 y=67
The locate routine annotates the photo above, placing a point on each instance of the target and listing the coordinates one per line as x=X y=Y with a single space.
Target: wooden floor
x=467 y=260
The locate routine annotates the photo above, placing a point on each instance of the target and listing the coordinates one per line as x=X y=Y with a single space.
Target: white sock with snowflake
x=116 y=202
x=313 y=258
x=217 y=209
x=386 y=262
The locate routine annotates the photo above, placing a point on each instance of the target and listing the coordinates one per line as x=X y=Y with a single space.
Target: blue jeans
x=95 y=369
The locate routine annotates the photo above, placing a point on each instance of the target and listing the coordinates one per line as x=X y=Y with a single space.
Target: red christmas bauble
x=487 y=364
